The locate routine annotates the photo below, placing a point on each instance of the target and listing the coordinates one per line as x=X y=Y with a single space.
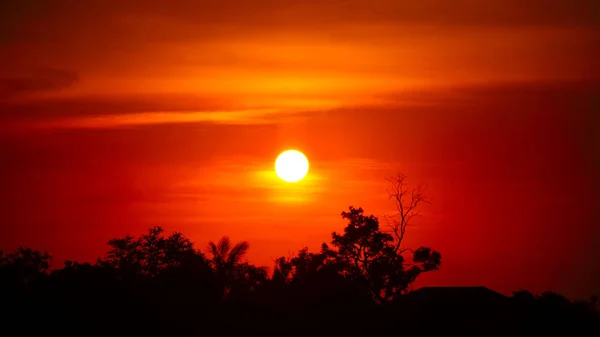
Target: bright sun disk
x=291 y=166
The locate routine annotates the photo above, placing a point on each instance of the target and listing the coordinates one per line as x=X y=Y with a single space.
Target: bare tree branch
x=407 y=202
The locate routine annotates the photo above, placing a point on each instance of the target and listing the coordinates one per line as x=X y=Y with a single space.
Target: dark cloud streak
x=540 y=92
x=39 y=80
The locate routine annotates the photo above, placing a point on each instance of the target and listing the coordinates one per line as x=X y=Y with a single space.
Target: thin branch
x=407 y=203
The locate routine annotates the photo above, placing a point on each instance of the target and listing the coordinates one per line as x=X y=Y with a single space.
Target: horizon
x=116 y=117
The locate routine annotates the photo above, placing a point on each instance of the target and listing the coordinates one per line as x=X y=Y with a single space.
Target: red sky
x=118 y=116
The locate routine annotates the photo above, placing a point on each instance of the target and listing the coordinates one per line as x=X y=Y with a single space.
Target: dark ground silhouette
x=357 y=285
x=158 y=285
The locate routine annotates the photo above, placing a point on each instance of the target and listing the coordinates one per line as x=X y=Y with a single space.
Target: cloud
x=105 y=112
x=131 y=56
x=38 y=80
x=243 y=117
x=130 y=110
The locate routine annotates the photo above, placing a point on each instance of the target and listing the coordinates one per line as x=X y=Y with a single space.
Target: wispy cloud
x=245 y=117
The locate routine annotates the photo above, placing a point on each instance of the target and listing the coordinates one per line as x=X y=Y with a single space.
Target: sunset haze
x=116 y=116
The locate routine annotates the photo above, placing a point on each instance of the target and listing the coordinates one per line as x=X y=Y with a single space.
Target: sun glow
x=291 y=166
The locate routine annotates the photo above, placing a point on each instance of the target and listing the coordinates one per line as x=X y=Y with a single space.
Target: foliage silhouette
x=372 y=257
x=358 y=284
x=232 y=273
x=23 y=266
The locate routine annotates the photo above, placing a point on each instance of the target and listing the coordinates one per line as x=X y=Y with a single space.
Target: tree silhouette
x=176 y=292
x=160 y=285
x=149 y=254
x=224 y=255
x=407 y=202
x=367 y=255
x=306 y=265
x=230 y=271
x=23 y=266
x=373 y=257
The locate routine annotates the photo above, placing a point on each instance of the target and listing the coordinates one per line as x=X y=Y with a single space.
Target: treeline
x=160 y=284
x=161 y=279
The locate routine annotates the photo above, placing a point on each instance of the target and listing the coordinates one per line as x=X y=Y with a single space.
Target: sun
x=291 y=166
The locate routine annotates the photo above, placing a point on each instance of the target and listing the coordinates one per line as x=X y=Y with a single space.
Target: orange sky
x=118 y=116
